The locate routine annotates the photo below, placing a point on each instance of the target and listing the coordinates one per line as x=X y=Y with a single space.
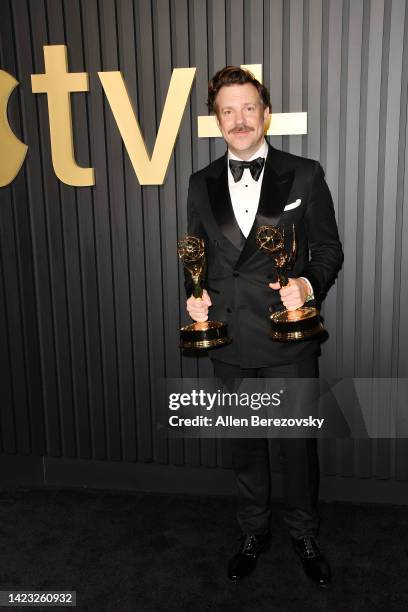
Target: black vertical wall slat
x=296 y=76
x=22 y=213
x=305 y=66
x=330 y=133
x=77 y=211
x=106 y=270
x=16 y=400
x=389 y=226
x=150 y=110
x=143 y=357
x=15 y=343
x=363 y=456
x=92 y=292
x=329 y=151
x=255 y=29
x=285 y=64
x=183 y=168
x=399 y=213
x=382 y=450
x=347 y=205
x=67 y=272
x=211 y=451
x=201 y=147
x=7 y=425
x=372 y=112
x=401 y=331
x=120 y=359
x=216 y=55
x=274 y=54
x=168 y=221
x=52 y=24
x=390 y=252
x=97 y=273
x=200 y=57
x=303 y=69
x=126 y=41
x=136 y=250
x=356 y=102
x=103 y=238
x=314 y=78
x=236 y=20
x=24 y=21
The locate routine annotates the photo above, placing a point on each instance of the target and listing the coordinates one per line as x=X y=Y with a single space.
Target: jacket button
x=229 y=310
x=235 y=273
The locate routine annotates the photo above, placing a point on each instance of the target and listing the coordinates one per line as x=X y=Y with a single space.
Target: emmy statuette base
x=300 y=324
x=205 y=335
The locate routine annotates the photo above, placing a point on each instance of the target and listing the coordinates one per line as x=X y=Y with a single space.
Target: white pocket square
x=294 y=204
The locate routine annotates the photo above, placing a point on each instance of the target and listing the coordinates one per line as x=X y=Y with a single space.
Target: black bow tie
x=255 y=166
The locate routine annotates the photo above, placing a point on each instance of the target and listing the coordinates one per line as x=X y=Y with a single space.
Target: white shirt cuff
x=311 y=294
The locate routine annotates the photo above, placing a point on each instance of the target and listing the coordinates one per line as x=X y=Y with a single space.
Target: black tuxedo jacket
x=238 y=273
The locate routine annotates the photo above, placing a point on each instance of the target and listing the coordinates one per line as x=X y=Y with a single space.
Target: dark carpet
x=149 y=552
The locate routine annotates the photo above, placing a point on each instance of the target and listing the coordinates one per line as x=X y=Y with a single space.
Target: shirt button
x=229 y=310
x=235 y=273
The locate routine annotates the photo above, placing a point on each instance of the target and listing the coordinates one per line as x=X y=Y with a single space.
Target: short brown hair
x=234 y=75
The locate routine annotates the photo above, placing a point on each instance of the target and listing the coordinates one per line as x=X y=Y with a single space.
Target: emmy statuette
x=206 y=334
x=287 y=325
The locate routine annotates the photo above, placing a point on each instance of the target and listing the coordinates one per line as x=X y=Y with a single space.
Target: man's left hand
x=294 y=294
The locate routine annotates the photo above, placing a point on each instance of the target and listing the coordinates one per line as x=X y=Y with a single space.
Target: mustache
x=241 y=128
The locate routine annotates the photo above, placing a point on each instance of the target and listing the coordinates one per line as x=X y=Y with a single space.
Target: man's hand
x=294 y=294
x=197 y=308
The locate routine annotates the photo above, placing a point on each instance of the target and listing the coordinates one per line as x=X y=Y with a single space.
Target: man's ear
x=267 y=119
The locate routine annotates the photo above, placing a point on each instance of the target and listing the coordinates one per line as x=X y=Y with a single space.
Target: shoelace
x=310 y=548
x=248 y=545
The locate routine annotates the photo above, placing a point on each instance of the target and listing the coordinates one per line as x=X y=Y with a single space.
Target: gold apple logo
x=12 y=150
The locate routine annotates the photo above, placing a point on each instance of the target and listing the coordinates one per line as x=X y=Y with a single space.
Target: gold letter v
x=149 y=171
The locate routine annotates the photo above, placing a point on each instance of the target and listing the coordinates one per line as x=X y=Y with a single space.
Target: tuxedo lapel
x=276 y=186
x=274 y=195
x=221 y=207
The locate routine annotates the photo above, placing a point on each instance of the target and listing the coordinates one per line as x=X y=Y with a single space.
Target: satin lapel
x=274 y=196
x=222 y=210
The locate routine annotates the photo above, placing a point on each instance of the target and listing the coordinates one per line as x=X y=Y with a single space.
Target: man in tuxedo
x=251 y=185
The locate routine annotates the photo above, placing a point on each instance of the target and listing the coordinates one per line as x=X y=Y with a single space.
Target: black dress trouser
x=251 y=465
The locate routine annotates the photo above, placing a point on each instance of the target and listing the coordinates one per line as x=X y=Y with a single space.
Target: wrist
x=309 y=294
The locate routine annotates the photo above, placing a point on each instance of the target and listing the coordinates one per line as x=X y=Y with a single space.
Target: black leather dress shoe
x=314 y=564
x=244 y=562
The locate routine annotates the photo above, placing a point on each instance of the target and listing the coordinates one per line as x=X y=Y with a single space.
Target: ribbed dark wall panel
x=91 y=293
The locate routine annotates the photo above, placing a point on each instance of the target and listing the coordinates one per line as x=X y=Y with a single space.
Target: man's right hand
x=197 y=308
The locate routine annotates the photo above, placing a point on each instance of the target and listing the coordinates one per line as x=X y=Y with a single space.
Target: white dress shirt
x=245 y=195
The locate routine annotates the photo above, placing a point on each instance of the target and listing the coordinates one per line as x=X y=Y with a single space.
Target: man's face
x=241 y=118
